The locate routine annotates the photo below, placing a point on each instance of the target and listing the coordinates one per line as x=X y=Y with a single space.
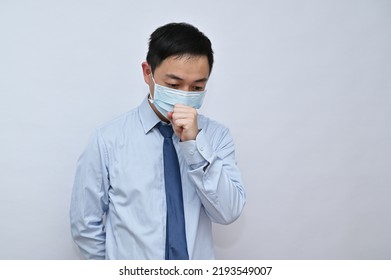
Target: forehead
x=184 y=66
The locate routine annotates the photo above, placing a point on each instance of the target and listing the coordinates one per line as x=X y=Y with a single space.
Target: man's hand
x=184 y=122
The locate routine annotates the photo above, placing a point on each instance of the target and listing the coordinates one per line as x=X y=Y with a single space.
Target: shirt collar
x=147 y=116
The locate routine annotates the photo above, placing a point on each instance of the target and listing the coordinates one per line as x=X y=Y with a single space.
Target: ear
x=146 y=72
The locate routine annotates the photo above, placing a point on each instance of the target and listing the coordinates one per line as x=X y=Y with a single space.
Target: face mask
x=165 y=98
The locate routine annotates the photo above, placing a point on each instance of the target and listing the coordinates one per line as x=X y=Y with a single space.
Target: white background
x=304 y=86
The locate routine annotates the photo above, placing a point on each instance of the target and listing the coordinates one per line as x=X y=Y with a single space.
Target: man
x=140 y=193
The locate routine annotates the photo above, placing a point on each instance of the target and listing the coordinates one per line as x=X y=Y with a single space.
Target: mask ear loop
x=154 y=83
x=153 y=79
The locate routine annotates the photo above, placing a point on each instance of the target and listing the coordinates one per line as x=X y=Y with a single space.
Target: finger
x=185 y=111
x=183 y=122
x=184 y=115
x=181 y=107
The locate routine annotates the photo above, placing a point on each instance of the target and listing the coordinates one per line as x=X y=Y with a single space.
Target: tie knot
x=165 y=130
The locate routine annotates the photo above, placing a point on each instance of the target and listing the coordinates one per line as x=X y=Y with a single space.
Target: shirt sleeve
x=214 y=171
x=89 y=200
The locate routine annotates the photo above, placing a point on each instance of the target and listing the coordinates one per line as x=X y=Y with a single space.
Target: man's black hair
x=178 y=39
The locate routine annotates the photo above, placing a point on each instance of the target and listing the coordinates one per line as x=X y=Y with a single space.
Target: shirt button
x=201 y=148
x=191 y=152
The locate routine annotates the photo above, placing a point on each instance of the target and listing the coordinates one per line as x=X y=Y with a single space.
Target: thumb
x=169 y=116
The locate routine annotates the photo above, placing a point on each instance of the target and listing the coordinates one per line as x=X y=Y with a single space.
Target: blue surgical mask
x=165 y=98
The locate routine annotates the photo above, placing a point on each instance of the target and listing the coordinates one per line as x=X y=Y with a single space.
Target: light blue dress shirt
x=118 y=207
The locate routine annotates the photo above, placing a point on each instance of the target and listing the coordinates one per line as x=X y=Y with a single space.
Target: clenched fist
x=184 y=122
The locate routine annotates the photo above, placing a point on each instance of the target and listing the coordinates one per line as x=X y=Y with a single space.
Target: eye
x=172 y=85
x=198 y=88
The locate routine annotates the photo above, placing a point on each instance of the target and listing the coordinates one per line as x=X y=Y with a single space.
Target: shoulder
x=118 y=125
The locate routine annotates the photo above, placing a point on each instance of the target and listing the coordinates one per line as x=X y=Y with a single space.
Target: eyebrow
x=172 y=76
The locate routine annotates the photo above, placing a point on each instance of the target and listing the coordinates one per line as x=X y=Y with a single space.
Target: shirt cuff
x=197 y=151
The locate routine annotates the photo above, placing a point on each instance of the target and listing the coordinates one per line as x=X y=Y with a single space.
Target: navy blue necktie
x=176 y=246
